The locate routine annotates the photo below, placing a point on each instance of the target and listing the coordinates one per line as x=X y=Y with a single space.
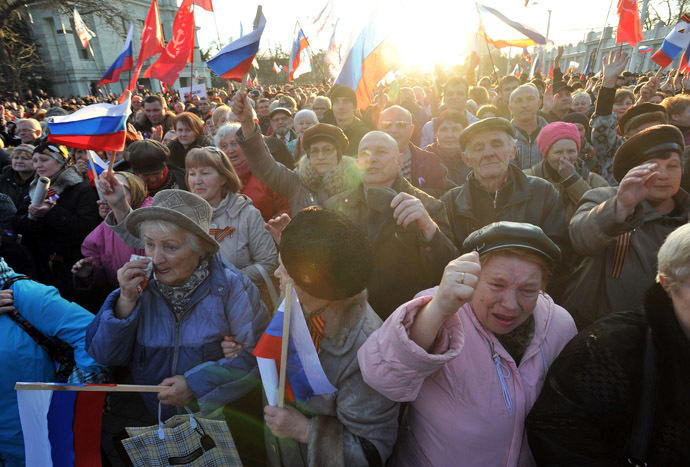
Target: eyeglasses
x=326 y=151
x=399 y=124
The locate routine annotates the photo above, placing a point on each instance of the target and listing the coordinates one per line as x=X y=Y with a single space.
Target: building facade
x=72 y=70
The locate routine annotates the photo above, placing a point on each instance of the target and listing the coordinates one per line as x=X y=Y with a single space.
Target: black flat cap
x=558 y=86
x=636 y=110
x=492 y=123
x=648 y=143
x=505 y=234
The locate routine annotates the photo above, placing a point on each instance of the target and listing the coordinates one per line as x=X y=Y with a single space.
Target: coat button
x=220 y=289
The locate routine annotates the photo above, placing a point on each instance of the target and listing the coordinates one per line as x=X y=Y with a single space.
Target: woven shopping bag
x=187 y=439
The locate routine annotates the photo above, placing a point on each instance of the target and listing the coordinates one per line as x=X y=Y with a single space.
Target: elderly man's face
x=154 y=112
x=489 y=153
x=27 y=133
x=398 y=124
x=524 y=104
x=281 y=123
x=379 y=159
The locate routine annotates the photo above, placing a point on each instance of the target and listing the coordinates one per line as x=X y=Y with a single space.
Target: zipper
x=495 y=198
x=503 y=374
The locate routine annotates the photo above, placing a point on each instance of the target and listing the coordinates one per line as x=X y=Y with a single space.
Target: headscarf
x=137 y=188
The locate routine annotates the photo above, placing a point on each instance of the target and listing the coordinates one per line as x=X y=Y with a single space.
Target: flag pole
x=96 y=64
x=191 y=72
x=89 y=387
x=601 y=38
x=257 y=18
x=284 y=345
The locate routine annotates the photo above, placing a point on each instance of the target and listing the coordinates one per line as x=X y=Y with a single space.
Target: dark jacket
x=521 y=199
x=12 y=186
x=404 y=263
x=428 y=173
x=178 y=152
x=55 y=239
x=456 y=170
x=355 y=132
x=620 y=259
x=280 y=151
x=584 y=414
x=144 y=125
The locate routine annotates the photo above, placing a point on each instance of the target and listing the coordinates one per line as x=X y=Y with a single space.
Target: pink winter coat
x=108 y=251
x=460 y=413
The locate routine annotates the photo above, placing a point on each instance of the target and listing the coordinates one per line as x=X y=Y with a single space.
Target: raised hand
x=276 y=225
x=548 y=100
x=612 y=67
x=633 y=189
x=157 y=133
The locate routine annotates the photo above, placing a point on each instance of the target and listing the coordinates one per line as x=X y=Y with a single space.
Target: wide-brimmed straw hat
x=179 y=207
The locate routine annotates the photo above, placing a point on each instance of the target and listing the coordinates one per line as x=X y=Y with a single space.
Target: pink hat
x=556 y=131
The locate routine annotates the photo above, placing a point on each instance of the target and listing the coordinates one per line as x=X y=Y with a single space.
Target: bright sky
x=430 y=29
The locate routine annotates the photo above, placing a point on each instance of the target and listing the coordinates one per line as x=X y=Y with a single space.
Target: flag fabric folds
x=179 y=51
x=205 y=4
x=516 y=70
x=124 y=61
x=645 y=49
x=523 y=36
x=152 y=42
x=674 y=44
x=684 y=65
x=370 y=58
x=235 y=59
x=61 y=428
x=305 y=376
x=101 y=127
x=300 y=57
x=85 y=34
x=629 y=25
x=276 y=68
x=96 y=166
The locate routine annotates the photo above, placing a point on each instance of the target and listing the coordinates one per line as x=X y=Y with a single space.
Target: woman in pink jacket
x=472 y=355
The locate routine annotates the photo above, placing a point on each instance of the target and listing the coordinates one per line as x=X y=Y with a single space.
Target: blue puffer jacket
x=157 y=345
x=22 y=359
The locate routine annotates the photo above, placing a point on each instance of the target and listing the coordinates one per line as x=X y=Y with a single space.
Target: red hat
x=554 y=132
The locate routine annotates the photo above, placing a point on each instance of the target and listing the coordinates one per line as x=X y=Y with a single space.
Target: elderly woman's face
x=304 y=123
x=207 y=183
x=581 y=105
x=506 y=293
x=323 y=156
x=233 y=150
x=21 y=162
x=174 y=261
x=45 y=166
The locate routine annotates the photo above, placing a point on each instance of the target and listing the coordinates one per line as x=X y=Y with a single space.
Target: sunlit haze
x=425 y=30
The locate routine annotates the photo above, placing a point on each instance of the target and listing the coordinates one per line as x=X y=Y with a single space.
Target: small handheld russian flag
x=674 y=44
x=305 y=376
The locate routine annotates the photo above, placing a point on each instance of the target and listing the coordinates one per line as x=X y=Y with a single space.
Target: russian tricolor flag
x=370 y=58
x=96 y=167
x=674 y=44
x=300 y=57
x=123 y=63
x=235 y=59
x=101 y=127
x=305 y=376
x=61 y=428
x=645 y=49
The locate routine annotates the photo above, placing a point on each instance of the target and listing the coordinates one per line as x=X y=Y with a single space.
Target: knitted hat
x=326 y=254
x=554 y=132
x=56 y=151
x=182 y=208
x=27 y=148
x=7 y=211
x=344 y=91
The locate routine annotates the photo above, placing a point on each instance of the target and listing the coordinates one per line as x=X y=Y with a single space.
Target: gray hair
x=304 y=113
x=322 y=99
x=195 y=243
x=225 y=130
x=529 y=86
x=582 y=94
x=673 y=258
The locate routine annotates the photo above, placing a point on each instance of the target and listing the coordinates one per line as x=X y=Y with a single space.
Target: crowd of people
x=446 y=243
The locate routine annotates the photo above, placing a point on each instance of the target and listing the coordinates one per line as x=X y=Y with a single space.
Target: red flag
x=172 y=61
x=629 y=25
x=205 y=4
x=152 y=42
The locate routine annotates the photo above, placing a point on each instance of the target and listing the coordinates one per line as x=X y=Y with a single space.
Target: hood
x=232 y=205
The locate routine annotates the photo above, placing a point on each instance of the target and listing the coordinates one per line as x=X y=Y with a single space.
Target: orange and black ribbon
x=621 y=251
x=316 y=326
x=220 y=234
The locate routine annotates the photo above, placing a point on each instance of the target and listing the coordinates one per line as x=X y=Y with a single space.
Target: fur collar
x=343 y=177
x=341 y=317
x=64 y=179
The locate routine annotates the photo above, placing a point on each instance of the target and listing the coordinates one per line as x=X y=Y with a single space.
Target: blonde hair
x=673 y=258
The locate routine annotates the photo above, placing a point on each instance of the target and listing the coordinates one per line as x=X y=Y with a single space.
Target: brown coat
x=572 y=188
x=620 y=258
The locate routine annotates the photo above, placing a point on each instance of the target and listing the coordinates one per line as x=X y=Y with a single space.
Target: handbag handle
x=272 y=293
x=192 y=420
x=207 y=442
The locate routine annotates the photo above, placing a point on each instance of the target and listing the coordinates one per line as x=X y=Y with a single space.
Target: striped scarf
x=5 y=271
